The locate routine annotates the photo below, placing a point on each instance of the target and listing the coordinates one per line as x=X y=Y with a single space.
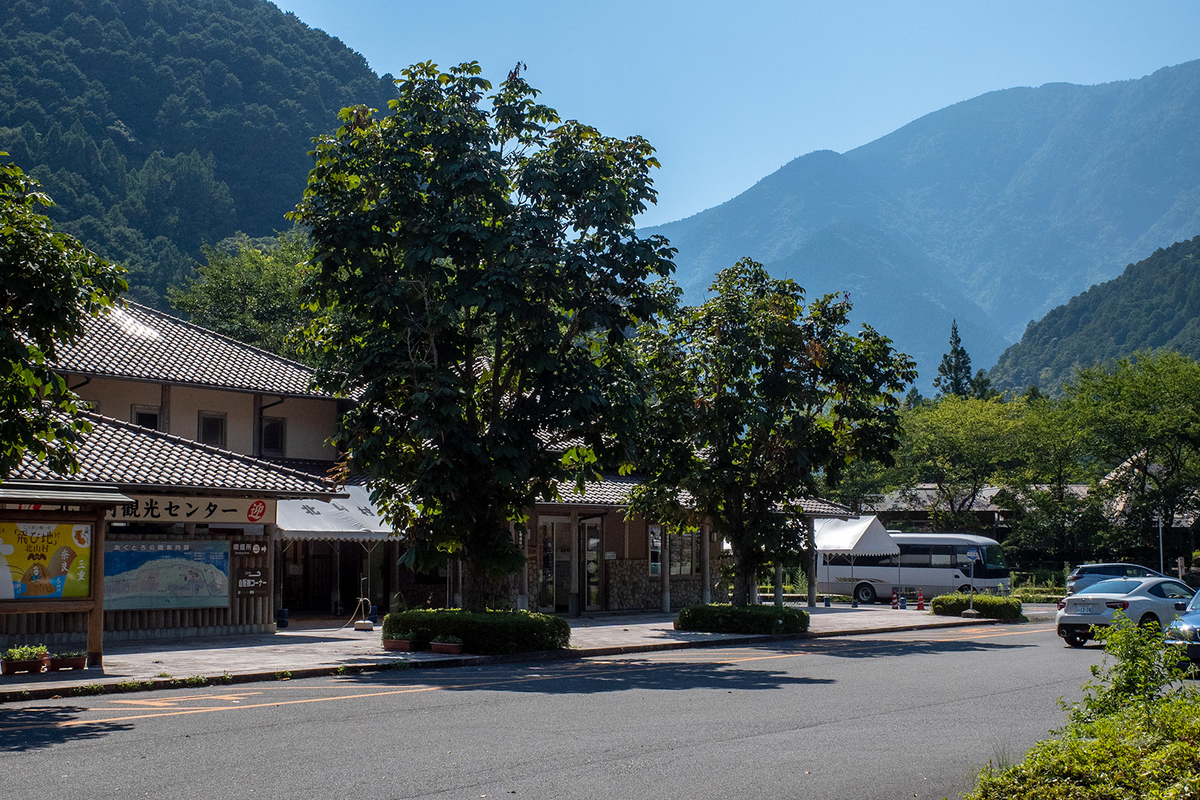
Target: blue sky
x=727 y=93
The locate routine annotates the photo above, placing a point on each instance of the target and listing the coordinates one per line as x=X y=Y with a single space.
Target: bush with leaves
x=990 y=606
x=724 y=618
x=485 y=633
x=1135 y=733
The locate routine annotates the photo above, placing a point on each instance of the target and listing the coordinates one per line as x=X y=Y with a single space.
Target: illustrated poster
x=45 y=561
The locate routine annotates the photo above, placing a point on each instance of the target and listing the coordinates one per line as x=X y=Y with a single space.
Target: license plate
x=1081 y=609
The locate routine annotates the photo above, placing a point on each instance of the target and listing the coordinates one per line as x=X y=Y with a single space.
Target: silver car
x=1146 y=601
x=1085 y=575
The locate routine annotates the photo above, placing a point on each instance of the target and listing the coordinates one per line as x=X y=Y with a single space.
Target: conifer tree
x=954 y=373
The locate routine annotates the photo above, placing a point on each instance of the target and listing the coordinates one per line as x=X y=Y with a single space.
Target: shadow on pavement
x=593 y=677
x=851 y=647
x=35 y=728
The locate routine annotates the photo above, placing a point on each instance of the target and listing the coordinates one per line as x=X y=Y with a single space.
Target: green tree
x=1052 y=519
x=249 y=290
x=49 y=284
x=959 y=445
x=1142 y=416
x=481 y=267
x=954 y=373
x=755 y=398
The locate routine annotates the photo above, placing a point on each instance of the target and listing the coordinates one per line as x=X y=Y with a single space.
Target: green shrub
x=990 y=606
x=486 y=633
x=1115 y=757
x=723 y=618
x=29 y=652
x=70 y=654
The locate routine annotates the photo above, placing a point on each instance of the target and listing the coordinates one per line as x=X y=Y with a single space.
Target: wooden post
x=95 y=622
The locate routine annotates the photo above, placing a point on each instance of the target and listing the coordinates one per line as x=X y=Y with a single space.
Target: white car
x=1146 y=601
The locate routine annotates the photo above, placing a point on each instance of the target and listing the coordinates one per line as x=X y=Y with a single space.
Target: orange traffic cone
x=920 y=600
x=896 y=598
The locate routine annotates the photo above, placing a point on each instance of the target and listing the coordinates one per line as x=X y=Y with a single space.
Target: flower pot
x=24 y=665
x=74 y=662
x=397 y=645
x=449 y=648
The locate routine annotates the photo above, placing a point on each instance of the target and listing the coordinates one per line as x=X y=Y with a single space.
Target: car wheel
x=864 y=593
x=964 y=589
x=1149 y=620
x=1075 y=639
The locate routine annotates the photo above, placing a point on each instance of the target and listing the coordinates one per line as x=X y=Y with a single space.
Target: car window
x=1137 y=572
x=1178 y=591
x=1113 y=586
x=1115 y=569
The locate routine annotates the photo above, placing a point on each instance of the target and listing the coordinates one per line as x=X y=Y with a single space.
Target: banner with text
x=169 y=509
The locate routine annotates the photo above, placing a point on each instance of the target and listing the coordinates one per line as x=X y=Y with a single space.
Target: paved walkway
x=319 y=647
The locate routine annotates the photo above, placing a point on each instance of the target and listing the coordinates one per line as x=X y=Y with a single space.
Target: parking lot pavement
x=320 y=648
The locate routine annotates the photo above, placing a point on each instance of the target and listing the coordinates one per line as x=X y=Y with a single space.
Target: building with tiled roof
x=134 y=342
x=131 y=458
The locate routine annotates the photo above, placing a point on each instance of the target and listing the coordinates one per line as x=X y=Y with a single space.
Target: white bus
x=935 y=563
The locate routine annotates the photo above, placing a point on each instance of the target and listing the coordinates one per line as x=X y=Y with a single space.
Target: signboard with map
x=45 y=560
x=178 y=574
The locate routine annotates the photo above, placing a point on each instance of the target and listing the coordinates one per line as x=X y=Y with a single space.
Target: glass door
x=554 y=549
x=593 y=563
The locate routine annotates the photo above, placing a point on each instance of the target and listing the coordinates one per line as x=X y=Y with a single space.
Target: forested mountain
x=159 y=125
x=1153 y=305
x=991 y=211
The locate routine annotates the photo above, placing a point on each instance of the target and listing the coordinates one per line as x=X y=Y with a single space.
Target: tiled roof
x=816 y=507
x=132 y=341
x=613 y=490
x=131 y=458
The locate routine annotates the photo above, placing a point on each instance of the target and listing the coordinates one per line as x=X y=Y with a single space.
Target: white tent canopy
x=350 y=519
x=856 y=536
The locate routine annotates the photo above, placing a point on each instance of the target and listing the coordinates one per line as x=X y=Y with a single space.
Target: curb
x=126 y=686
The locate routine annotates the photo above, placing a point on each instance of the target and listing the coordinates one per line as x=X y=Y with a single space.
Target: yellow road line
x=596 y=666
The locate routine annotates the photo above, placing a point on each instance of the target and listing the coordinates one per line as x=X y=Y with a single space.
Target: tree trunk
x=745 y=573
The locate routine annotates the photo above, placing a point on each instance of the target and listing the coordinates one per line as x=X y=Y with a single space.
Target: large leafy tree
x=757 y=399
x=49 y=284
x=481 y=267
x=1142 y=416
x=249 y=290
x=959 y=446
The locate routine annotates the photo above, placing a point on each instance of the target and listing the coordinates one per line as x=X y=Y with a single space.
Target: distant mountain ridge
x=991 y=211
x=1153 y=305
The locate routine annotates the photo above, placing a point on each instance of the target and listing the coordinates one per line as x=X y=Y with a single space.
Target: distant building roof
x=132 y=458
x=136 y=342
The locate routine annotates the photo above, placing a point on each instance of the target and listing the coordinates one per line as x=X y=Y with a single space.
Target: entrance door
x=554 y=552
x=593 y=563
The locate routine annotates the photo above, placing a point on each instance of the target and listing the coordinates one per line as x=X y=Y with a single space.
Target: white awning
x=352 y=519
x=860 y=536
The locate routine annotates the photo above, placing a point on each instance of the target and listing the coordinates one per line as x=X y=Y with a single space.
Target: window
x=942 y=554
x=210 y=428
x=655 y=549
x=274 y=436
x=914 y=555
x=683 y=553
x=146 y=416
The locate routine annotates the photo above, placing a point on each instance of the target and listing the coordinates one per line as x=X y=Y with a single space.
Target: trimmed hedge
x=988 y=605
x=1114 y=758
x=725 y=618
x=487 y=633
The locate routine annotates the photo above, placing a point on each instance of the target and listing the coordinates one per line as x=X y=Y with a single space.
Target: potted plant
x=400 y=643
x=29 y=658
x=68 y=659
x=451 y=645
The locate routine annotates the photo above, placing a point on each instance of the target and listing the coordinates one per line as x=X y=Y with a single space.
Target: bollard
x=827 y=601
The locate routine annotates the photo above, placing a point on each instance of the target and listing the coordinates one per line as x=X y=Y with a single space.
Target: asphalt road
x=913 y=714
